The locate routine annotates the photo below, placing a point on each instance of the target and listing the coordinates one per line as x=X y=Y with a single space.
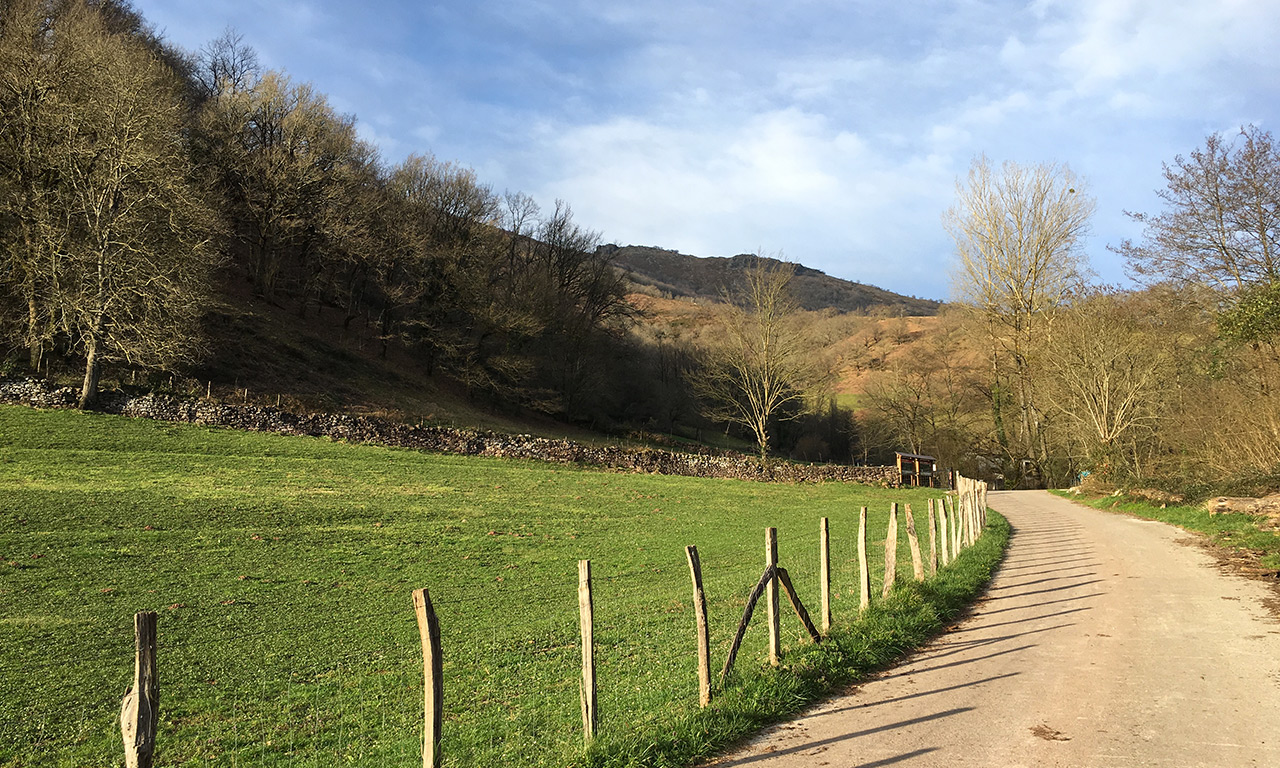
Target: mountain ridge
x=707 y=277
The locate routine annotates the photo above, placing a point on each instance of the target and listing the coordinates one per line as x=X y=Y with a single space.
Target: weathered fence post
x=774 y=615
x=590 y=715
x=432 y=678
x=824 y=575
x=864 y=570
x=933 y=541
x=704 y=631
x=797 y=606
x=891 y=551
x=945 y=531
x=913 y=541
x=140 y=710
x=956 y=525
x=770 y=573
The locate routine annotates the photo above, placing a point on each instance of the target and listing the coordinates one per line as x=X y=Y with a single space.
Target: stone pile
x=368 y=429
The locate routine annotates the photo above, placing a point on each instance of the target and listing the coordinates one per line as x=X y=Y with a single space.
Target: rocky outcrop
x=367 y=429
x=1228 y=505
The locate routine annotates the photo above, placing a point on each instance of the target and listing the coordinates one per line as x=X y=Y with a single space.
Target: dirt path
x=1102 y=641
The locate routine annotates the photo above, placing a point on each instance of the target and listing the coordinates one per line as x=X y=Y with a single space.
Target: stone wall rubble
x=368 y=429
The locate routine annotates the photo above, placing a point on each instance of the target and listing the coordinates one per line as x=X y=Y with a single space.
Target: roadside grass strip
x=1239 y=532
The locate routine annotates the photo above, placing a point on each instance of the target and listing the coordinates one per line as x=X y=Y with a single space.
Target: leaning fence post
x=590 y=715
x=864 y=571
x=913 y=540
x=140 y=710
x=824 y=575
x=704 y=631
x=432 y=678
x=891 y=551
x=774 y=615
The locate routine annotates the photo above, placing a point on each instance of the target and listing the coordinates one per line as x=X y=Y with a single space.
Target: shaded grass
x=281 y=568
x=1241 y=533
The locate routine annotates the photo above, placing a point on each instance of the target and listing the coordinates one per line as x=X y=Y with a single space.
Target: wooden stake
x=140 y=710
x=891 y=551
x=768 y=575
x=956 y=524
x=864 y=571
x=797 y=606
x=432 y=678
x=824 y=572
x=590 y=715
x=704 y=631
x=933 y=541
x=775 y=622
x=913 y=542
x=945 y=531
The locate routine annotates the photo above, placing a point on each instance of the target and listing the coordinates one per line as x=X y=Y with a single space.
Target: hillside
x=681 y=275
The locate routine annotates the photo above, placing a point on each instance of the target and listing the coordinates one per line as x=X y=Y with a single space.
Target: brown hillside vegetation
x=678 y=275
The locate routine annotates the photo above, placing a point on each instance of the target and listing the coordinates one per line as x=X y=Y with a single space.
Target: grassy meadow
x=281 y=568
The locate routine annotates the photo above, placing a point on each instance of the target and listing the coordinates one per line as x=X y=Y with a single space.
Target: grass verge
x=1242 y=534
x=913 y=614
x=281 y=569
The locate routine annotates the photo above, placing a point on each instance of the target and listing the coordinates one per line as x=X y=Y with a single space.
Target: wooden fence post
x=944 y=530
x=913 y=541
x=704 y=631
x=774 y=615
x=432 y=678
x=891 y=551
x=956 y=524
x=933 y=540
x=590 y=715
x=768 y=575
x=824 y=575
x=864 y=570
x=140 y=710
x=797 y=606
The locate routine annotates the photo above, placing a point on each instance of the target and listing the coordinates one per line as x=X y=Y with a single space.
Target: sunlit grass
x=281 y=568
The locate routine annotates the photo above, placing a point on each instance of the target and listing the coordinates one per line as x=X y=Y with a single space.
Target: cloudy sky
x=831 y=131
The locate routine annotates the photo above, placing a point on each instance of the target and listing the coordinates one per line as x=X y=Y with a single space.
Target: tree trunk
x=92 y=370
x=35 y=347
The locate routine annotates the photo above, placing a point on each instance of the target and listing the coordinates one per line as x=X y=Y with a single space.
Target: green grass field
x=281 y=568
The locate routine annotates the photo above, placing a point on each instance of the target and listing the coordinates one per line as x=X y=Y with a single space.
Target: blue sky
x=832 y=132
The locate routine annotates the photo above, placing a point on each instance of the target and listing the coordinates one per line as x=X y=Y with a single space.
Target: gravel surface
x=1101 y=642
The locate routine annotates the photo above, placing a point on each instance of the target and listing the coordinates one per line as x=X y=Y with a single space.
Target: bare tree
x=226 y=64
x=928 y=393
x=1018 y=232
x=34 y=121
x=762 y=365
x=1221 y=224
x=283 y=159
x=132 y=277
x=1108 y=377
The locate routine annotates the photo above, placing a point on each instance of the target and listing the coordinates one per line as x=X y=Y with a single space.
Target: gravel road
x=1103 y=641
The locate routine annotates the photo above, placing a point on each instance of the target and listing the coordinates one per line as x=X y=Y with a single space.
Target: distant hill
x=682 y=275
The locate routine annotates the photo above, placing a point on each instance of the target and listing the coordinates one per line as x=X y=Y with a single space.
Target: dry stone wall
x=367 y=429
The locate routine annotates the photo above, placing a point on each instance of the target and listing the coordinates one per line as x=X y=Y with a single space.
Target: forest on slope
x=176 y=215
x=172 y=214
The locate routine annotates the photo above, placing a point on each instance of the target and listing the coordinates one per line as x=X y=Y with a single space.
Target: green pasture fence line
x=953 y=523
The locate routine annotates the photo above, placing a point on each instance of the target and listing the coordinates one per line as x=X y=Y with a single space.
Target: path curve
x=1103 y=640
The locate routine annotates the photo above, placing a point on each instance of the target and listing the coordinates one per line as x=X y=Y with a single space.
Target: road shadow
x=852 y=735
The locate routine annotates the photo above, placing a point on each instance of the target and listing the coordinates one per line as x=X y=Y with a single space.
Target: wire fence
x=341 y=681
